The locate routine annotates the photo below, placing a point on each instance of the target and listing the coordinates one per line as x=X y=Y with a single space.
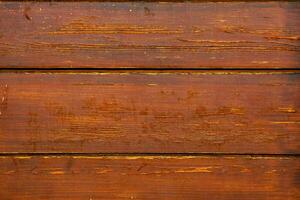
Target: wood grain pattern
x=223 y=111
x=217 y=178
x=149 y=35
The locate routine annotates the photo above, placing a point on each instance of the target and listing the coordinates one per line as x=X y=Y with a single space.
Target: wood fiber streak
x=149 y=35
x=150 y=112
x=193 y=178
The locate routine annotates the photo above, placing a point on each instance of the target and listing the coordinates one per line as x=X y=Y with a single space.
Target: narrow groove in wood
x=211 y=154
x=209 y=69
x=160 y=1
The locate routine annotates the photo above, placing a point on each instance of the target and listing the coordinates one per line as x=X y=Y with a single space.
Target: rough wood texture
x=193 y=178
x=240 y=112
x=149 y=34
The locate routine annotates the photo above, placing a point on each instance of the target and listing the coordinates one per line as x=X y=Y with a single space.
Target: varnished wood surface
x=149 y=34
x=237 y=112
x=193 y=178
x=161 y=130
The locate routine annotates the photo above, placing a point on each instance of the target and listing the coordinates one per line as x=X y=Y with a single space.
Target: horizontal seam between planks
x=154 y=1
x=205 y=154
x=79 y=70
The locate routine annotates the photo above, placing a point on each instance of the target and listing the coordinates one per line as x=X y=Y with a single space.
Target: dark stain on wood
x=26 y=13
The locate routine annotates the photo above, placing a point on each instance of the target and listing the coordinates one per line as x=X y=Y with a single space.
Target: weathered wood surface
x=193 y=178
x=149 y=34
x=214 y=111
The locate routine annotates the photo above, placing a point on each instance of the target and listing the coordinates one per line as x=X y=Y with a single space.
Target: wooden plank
x=222 y=178
x=217 y=111
x=149 y=34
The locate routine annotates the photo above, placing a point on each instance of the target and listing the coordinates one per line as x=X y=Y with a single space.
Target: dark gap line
x=212 y=154
x=171 y=1
x=145 y=69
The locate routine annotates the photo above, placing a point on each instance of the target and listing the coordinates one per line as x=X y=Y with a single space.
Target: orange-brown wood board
x=239 y=112
x=149 y=34
x=150 y=177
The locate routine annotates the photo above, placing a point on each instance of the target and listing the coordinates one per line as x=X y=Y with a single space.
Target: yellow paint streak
x=245 y=170
x=187 y=72
x=286 y=109
x=57 y=172
x=211 y=122
x=239 y=124
x=215 y=41
x=296 y=37
x=134 y=157
x=81 y=26
x=238 y=111
x=271 y=171
x=195 y=170
x=23 y=157
x=102 y=171
x=128 y=157
x=260 y=62
x=9 y=172
x=287 y=122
